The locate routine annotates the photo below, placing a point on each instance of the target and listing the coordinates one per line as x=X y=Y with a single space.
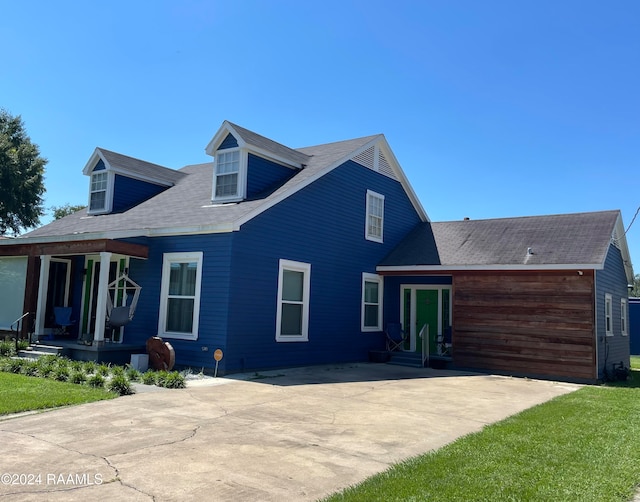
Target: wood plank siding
x=534 y=323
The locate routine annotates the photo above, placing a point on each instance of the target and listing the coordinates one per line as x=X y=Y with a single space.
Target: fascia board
x=624 y=249
x=444 y=268
x=270 y=156
x=384 y=145
x=219 y=137
x=136 y=176
x=93 y=160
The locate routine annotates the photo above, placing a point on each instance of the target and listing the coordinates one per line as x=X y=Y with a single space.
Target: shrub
x=89 y=367
x=44 y=368
x=133 y=374
x=173 y=380
x=76 y=366
x=23 y=344
x=7 y=348
x=149 y=378
x=30 y=368
x=120 y=385
x=117 y=371
x=15 y=365
x=103 y=369
x=78 y=377
x=61 y=373
x=96 y=380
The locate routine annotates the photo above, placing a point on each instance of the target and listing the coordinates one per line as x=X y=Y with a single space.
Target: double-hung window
x=227 y=175
x=180 y=295
x=292 y=320
x=374 y=226
x=623 y=317
x=371 y=302
x=608 y=314
x=98 y=193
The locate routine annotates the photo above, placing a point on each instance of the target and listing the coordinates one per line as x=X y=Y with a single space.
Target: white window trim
x=108 y=196
x=608 y=302
x=624 y=317
x=167 y=260
x=242 y=177
x=305 y=268
x=366 y=277
x=368 y=236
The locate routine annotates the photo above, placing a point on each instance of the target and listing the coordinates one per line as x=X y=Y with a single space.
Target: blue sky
x=493 y=108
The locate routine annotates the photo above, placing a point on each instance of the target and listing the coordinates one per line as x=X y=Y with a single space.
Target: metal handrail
x=18 y=324
x=425 y=344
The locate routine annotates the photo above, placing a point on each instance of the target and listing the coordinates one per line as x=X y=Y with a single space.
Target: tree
x=635 y=292
x=67 y=209
x=21 y=177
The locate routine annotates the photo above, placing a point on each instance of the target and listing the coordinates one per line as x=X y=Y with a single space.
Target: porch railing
x=17 y=327
x=425 y=344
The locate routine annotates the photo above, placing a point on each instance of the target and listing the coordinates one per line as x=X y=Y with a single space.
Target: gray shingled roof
x=254 y=139
x=144 y=169
x=564 y=239
x=187 y=205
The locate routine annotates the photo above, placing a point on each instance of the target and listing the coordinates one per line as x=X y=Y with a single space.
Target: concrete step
x=411 y=359
x=39 y=350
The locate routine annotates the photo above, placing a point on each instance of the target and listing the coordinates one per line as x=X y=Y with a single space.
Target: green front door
x=427 y=313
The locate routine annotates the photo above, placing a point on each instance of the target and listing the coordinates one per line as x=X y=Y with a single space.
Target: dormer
x=247 y=165
x=119 y=182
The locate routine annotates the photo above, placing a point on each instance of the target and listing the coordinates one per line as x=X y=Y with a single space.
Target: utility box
x=140 y=362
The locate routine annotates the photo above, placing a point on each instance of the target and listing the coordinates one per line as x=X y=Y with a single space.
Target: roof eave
x=412 y=269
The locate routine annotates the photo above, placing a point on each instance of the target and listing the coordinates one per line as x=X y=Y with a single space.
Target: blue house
x=282 y=257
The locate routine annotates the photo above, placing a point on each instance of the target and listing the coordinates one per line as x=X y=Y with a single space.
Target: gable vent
x=367 y=158
x=384 y=167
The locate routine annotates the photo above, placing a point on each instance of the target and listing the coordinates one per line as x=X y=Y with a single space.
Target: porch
x=114 y=353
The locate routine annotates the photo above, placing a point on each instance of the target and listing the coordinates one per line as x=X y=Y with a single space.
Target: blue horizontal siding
x=324 y=225
x=212 y=330
x=264 y=176
x=129 y=192
x=612 y=280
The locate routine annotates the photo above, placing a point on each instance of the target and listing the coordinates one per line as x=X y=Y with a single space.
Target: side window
x=608 y=319
x=294 y=284
x=371 y=313
x=374 y=226
x=180 y=295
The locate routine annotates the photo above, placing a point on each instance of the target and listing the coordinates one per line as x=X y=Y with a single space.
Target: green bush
x=23 y=344
x=96 y=380
x=61 y=373
x=103 y=369
x=120 y=385
x=15 y=365
x=89 y=367
x=7 y=348
x=30 y=368
x=133 y=374
x=76 y=366
x=149 y=378
x=117 y=371
x=77 y=377
x=173 y=380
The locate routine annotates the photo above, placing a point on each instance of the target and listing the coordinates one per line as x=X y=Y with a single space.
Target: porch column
x=43 y=286
x=101 y=303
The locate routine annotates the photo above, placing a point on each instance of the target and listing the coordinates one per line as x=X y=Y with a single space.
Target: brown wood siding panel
x=536 y=323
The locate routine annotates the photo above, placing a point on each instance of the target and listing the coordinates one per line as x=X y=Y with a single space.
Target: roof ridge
x=502 y=218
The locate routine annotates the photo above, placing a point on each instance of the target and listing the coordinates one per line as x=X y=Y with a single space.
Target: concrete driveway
x=296 y=434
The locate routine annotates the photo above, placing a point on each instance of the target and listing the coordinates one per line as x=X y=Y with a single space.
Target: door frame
x=89 y=278
x=412 y=331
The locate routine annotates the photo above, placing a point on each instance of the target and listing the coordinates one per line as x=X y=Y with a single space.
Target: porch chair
x=62 y=320
x=395 y=336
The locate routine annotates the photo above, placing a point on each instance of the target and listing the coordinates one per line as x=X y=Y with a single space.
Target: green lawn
x=23 y=393
x=582 y=446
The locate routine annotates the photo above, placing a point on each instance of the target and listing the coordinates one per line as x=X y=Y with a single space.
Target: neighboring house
x=634 y=325
x=284 y=257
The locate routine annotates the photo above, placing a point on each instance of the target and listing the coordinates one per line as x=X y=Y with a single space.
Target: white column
x=101 y=303
x=43 y=286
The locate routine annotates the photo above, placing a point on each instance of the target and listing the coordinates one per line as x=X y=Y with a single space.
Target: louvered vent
x=366 y=158
x=384 y=167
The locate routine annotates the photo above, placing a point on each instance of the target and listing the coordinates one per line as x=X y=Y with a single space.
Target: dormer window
x=98 y=197
x=227 y=171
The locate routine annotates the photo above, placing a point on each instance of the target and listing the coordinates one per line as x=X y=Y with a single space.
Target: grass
x=22 y=393
x=581 y=446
